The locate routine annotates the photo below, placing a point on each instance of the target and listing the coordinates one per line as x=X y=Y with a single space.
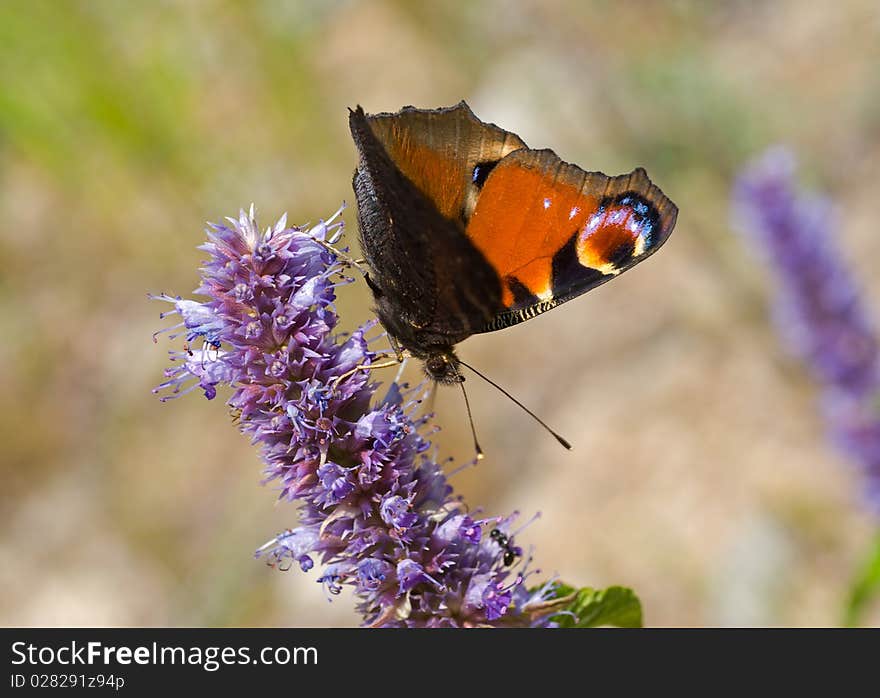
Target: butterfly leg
x=343 y=257
x=399 y=351
x=366 y=367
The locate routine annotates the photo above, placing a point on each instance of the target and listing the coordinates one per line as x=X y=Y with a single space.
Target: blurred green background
x=700 y=475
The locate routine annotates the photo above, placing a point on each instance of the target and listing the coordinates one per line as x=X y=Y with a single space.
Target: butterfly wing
x=443 y=152
x=552 y=231
x=431 y=285
x=470 y=231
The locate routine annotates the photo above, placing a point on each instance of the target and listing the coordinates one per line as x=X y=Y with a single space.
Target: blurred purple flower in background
x=818 y=307
x=377 y=509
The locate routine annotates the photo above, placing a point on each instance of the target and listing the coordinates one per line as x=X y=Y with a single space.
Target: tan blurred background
x=700 y=475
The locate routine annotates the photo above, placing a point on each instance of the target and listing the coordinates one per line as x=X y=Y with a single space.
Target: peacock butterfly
x=465 y=229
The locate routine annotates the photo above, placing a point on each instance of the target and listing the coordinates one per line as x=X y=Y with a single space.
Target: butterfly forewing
x=552 y=231
x=442 y=151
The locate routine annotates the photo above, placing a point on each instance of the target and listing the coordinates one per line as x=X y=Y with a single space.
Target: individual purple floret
x=377 y=511
x=818 y=305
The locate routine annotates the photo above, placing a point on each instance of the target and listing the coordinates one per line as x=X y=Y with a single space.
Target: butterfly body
x=467 y=230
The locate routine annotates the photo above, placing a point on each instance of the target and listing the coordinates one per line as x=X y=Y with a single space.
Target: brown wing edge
x=461 y=106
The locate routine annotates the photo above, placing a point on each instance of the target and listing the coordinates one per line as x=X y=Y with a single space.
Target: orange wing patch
x=523 y=217
x=437 y=151
x=438 y=175
x=533 y=205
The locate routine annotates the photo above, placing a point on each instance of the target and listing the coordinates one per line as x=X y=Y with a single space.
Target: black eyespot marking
x=481 y=172
x=643 y=210
x=622 y=253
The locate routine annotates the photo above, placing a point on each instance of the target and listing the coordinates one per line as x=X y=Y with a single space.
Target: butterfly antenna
x=522 y=406
x=471 y=420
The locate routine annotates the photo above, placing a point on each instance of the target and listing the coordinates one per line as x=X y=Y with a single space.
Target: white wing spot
x=574 y=211
x=547 y=203
x=618 y=217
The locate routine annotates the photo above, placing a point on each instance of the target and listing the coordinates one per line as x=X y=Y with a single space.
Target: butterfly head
x=441 y=364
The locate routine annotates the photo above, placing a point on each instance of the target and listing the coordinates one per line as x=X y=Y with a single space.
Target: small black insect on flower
x=511 y=552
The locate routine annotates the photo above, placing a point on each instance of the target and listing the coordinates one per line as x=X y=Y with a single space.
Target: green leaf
x=591 y=608
x=865 y=588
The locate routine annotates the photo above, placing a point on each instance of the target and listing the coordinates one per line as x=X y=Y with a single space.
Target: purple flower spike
x=376 y=509
x=818 y=307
